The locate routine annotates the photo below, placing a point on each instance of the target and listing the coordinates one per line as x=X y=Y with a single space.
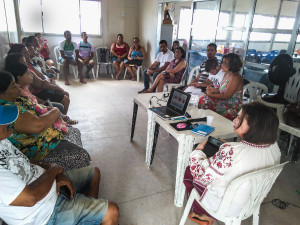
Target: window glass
x=203 y=28
x=57 y=19
x=260 y=21
x=223 y=22
x=11 y=21
x=3 y=26
x=30 y=15
x=90 y=24
x=286 y=23
x=184 y=19
x=239 y=20
x=258 y=36
x=283 y=37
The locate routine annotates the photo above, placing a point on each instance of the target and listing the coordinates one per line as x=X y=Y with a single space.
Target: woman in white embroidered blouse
x=257 y=126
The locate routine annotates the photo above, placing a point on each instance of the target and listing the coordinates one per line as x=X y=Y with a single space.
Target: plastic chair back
x=169 y=86
x=195 y=71
x=253 y=90
x=261 y=182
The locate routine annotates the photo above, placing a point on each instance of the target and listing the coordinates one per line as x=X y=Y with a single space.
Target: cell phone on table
x=212 y=146
x=65 y=192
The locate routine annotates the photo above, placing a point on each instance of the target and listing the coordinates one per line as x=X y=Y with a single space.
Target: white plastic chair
x=139 y=72
x=195 y=71
x=61 y=65
x=104 y=58
x=261 y=182
x=253 y=90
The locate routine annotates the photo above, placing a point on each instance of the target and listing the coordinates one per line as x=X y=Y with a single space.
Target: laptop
x=176 y=106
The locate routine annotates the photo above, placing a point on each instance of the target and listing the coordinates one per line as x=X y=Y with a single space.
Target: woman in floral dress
x=226 y=100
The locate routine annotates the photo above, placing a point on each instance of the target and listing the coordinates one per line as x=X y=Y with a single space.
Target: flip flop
x=67 y=83
x=200 y=222
x=82 y=81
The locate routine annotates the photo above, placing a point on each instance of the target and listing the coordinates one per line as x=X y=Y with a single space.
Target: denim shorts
x=61 y=59
x=81 y=209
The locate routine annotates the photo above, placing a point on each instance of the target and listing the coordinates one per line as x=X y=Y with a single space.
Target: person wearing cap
x=29 y=191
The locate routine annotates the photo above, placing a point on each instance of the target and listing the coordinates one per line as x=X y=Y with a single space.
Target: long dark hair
x=16 y=48
x=12 y=59
x=235 y=62
x=5 y=80
x=17 y=69
x=263 y=123
x=182 y=51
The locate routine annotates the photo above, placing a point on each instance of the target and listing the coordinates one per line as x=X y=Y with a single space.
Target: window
x=257 y=36
x=184 y=20
x=286 y=23
x=260 y=21
x=56 y=16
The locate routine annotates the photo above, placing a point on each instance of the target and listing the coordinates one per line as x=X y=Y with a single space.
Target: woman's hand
x=201 y=146
x=211 y=90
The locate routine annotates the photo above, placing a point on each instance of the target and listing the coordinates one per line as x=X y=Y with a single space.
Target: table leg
x=150 y=136
x=156 y=131
x=185 y=147
x=134 y=114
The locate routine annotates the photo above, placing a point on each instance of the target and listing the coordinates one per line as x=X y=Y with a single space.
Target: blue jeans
x=146 y=78
x=81 y=209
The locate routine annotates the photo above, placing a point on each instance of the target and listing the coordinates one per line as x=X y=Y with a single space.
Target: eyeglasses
x=224 y=63
x=135 y=42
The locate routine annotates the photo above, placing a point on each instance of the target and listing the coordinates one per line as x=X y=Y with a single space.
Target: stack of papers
x=203 y=130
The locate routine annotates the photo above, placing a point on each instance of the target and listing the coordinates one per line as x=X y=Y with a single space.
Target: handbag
x=291 y=114
x=138 y=62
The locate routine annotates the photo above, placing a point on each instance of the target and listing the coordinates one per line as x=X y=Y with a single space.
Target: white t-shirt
x=163 y=58
x=15 y=173
x=68 y=49
x=217 y=79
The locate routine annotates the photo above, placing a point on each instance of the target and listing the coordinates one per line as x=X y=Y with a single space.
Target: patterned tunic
x=34 y=146
x=233 y=159
x=227 y=108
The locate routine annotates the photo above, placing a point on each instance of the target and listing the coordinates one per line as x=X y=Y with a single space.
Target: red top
x=120 y=50
x=44 y=52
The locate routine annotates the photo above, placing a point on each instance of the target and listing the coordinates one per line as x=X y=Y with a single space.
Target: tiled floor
x=145 y=196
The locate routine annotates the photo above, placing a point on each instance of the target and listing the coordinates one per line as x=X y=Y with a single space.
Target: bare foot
x=67 y=82
x=118 y=77
x=82 y=81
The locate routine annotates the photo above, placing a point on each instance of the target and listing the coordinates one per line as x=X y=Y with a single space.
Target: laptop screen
x=178 y=100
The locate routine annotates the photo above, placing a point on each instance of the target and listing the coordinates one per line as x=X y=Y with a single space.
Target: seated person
x=214 y=79
x=136 y=56
x=38 y=57
x=162 y=61
x=85 y=55
x=35 y=134
x=257 y=125
x=24 y=78
x=67 y=50
x=30 y=190
x=40 y=88
x=119 y=51
x=227 y=99
x=24 y=39
x=172 y=74
x=175 y=45
x=48 y=75
x=211 y=51
x=44 y=50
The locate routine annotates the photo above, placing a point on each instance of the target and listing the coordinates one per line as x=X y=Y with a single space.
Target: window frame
x=58 y=34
